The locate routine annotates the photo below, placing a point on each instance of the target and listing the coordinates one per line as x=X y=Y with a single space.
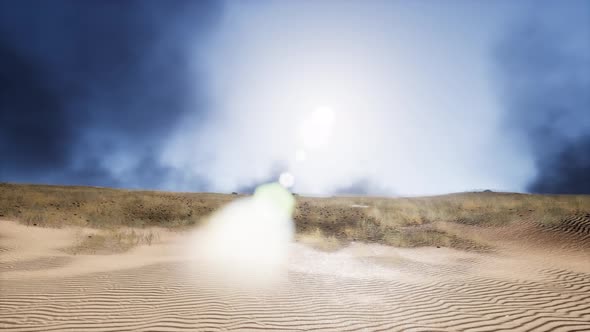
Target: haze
x=421 y=97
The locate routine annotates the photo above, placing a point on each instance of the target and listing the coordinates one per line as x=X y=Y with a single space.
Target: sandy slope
x=529 y=283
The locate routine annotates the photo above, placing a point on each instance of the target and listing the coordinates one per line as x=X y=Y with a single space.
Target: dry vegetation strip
x=111 y=241
x=406 y=222
x=56 y=206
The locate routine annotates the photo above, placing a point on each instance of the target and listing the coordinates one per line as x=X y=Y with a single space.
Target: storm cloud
x=427 y=97
x=544 y=64
x=90 y=90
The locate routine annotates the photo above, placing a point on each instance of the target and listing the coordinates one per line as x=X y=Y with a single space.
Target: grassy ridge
x=411 y=222
x=56 y=206
x=406 y=222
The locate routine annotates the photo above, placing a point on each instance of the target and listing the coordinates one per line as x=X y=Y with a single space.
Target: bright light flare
x=316 y=131
x=246 y=243
x=323 y=115
x=287 y=180
x=300 y=155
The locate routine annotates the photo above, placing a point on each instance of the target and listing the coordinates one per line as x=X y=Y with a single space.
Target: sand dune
x=520 y=285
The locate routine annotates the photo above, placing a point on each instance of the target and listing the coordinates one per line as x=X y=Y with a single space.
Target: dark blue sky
x=83 y=80
x=428 y=96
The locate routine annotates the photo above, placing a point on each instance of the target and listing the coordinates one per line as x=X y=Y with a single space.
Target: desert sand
x=535 y=279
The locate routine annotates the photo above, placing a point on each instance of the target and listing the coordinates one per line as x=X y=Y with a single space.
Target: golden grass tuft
x=111 y=241
x=317 y=240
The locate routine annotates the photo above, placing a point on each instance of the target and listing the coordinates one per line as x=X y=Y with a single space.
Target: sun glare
x=316 y=131
x=287 y=180
x=300 y=155
x=246 y=243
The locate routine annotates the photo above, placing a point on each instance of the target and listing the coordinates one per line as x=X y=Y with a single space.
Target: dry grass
x=320 y=241
x=405 y=222
x=57 y=206
x=411 y=222
x=112 y=241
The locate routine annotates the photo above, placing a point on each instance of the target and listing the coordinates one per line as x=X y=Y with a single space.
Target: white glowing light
x=247 y=242
x=300 y=155
x=323 y=115
x=287 y=180
x=316 y=131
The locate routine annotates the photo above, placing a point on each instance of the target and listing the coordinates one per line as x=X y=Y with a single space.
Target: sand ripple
x=360 y=288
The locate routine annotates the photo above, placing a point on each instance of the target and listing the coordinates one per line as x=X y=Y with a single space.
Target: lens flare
x=316 y=131
x=287 y=180
x=246 y=243
x=323 y=115
x=300 y=155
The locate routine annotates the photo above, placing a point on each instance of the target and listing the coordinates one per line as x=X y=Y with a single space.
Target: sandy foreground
x=532 y=286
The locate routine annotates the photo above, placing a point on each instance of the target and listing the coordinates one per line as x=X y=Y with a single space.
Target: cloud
x=412 y=113
x=362 y=187
x=544 y=67
x=34 y=128
x=91 y=90
x=199 y=95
